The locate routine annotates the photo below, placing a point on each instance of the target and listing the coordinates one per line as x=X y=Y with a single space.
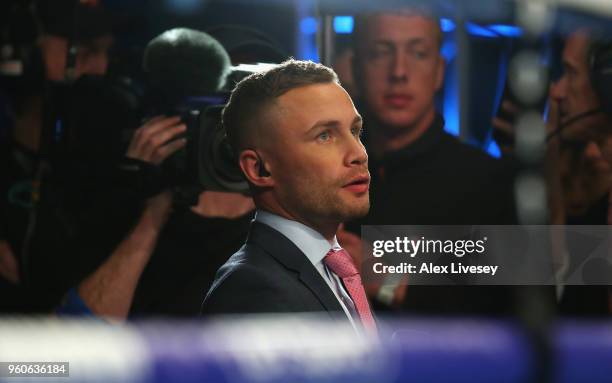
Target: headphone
x=263 y=172
x=20 y=58
x=600 y=74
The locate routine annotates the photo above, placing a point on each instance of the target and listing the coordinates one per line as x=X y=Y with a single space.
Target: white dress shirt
x=315 y=247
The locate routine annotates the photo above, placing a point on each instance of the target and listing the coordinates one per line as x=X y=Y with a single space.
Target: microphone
x=573 y=120
x=184 y=62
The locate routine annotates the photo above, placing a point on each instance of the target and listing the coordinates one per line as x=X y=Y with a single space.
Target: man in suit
x=296 y=133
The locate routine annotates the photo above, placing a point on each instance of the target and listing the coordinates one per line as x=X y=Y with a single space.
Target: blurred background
x=106 y=253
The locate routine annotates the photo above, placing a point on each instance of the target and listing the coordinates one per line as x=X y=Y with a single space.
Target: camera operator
x=170 y=256
x=44 y=43
x=578 y=153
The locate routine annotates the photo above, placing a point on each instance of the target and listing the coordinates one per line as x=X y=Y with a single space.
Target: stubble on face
x=310 y=176
x=326 y=201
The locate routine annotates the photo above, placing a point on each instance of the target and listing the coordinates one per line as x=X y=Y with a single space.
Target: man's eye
x=357 y=132
x=379 y=52
x=325 y=136
x=419 y=53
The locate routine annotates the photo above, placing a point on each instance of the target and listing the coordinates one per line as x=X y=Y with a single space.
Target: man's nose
x=357 y=154
x=399 y=68
x=558 y=89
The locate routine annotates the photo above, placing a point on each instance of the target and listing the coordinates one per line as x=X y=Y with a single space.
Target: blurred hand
x=9 y=269
x=157 y=139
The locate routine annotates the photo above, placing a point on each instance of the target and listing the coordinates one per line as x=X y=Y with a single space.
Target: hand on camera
x=157 y=140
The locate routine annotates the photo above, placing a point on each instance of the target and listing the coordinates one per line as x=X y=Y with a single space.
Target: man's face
x=399 y=68
x=574 y=91
x=589 y=137
x=315 y=156
x=91 y=57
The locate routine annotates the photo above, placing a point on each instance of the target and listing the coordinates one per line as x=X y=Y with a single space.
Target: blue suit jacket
x=269 y=274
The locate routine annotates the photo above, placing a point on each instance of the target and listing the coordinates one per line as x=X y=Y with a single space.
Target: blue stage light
x=449 y=50
x=308 y=25
x=493 y=149
x=477 y=30
x=343 y=24
x=451 y=101
x=447 y=25
x=506 y=30
x=310 y=52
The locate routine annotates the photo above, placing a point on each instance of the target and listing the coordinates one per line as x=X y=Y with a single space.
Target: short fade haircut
x=361 y=21
x=257 y=92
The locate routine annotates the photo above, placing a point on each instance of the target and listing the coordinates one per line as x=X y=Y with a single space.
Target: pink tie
x=341 y=263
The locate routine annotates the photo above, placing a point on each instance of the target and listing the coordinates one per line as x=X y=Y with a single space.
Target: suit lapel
x=288 y=254
x=313 y=280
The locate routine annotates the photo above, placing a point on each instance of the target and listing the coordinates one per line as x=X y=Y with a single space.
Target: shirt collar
x=308 y=240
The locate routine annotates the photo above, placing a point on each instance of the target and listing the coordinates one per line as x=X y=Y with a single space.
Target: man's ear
x=440 y=69
x=254 y=168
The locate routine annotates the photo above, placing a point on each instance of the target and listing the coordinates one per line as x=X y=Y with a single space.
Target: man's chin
x=356 y=211
x=397 y=120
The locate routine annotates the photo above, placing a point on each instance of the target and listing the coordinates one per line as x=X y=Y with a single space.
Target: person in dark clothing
x=421 y=185
x=586 y=145
x=581 y=146
x=16 y=166
x=40 y=34
x=96 y=267
x=190 y=250
x=171 y=255
x=169 y=258
x=438 y=180
x=422 y=175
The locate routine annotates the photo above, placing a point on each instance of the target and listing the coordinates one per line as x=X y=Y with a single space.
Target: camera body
x=207 y=161
x=92 y=120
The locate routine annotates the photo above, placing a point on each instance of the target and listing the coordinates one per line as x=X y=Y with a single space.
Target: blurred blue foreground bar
x=275 y=349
